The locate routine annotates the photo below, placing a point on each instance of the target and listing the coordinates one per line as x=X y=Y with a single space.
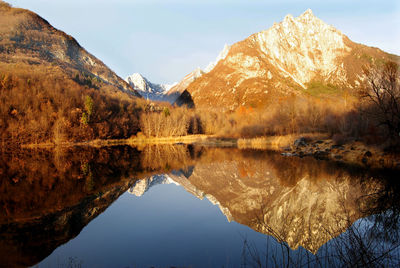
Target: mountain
x=162 y=92
x=289 y=58
x=173 y=93
x=147 y=89
x=53 y=89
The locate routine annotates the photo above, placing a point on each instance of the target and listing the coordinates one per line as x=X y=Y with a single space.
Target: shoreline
x=322 y=147
x=317 y=145
x=190 y=139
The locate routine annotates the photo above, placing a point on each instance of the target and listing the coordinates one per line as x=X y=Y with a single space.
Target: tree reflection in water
x=324 y=214
x=370 y=241
x=49 y=195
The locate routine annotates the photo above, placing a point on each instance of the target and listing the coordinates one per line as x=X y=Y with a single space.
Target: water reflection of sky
x=166 y=226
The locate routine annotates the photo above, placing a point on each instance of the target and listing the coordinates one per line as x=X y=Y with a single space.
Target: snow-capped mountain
x=147 y=89
x=170 y=92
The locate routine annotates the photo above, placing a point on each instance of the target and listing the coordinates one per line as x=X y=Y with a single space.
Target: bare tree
x=382 y=92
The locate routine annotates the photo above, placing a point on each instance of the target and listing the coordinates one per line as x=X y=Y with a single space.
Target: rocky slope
x=285 y=59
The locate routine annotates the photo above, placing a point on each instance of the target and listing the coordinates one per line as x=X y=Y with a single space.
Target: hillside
x=300 y=55
x=53 y=90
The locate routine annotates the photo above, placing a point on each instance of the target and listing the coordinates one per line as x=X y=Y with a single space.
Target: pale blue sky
x=166 y=39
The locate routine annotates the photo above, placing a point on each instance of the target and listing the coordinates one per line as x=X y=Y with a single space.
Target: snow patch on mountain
x=147 y=89
x=142 y=186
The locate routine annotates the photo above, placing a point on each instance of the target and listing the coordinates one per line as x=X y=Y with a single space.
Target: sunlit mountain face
x=292 y=57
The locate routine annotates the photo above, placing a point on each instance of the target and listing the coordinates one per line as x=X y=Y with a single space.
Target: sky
x=166 y=39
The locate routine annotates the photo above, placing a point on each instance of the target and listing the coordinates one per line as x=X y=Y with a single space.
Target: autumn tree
x=88 y=110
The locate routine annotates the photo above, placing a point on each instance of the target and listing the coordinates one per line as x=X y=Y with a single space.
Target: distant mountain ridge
x=147 y=89
x=171 y=92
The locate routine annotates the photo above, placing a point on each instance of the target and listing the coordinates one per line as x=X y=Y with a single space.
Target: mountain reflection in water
x=49 y=196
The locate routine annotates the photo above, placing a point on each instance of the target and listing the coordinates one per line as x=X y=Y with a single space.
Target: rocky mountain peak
x=148 y=89
x=283 y=60
x=308 y=15
x=137 y=81
x=303 y=47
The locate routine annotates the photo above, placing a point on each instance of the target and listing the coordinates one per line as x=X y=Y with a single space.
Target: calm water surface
x=190 y=206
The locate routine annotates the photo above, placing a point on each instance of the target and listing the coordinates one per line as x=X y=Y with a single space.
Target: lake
x=193 y=206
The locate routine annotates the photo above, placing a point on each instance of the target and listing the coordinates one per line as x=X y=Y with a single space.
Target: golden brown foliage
x=170 y=122
x=42 y=104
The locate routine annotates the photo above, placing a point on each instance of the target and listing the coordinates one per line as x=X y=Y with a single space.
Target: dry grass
x=272 y=142
x=276 y=142
x=135 y=140
x=167 y=140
